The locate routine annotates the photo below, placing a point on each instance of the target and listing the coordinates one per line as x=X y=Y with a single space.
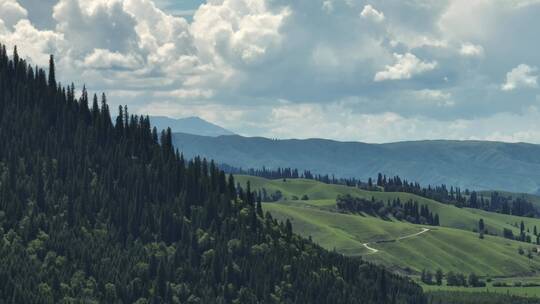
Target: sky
x=352 y=70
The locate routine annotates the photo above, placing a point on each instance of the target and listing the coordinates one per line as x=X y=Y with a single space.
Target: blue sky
x=374 y=71
x=184 y=8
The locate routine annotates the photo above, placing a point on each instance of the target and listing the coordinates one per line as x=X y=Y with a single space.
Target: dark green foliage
x=507 y=233
x=427 y=277
x=438 y=277
x=409 y=211
x=481 y=225
x=96 y=212
x=284 y=173
x=474 y=281
x=271 y=197
x=455 y=279
x=452 y=279
x=496 y=203
x=481 y=228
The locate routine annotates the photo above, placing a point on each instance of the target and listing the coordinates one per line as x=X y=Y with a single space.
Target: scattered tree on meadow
x=439 y=277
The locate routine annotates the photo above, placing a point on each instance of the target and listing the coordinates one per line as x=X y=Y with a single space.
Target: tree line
x=291 y=173
x=452 y=279
x=409 y=211
x=495 y=202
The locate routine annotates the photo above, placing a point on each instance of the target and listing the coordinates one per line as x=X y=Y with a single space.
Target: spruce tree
x=52 y=76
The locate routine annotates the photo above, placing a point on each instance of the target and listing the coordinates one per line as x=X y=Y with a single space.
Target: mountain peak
x=190 y=125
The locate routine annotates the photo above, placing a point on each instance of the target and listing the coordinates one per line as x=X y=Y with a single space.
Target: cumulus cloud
x=328 y=6
x=522 y=76
x=471 y=50
x=339 y=121
x=436 y=97
x=11 y=12
x=98 y=24
x=239 y=32
x=105 y=59
x=244 y=56
x=406 y=66
x=187 y=94
x=36 y=45
x=372 y=14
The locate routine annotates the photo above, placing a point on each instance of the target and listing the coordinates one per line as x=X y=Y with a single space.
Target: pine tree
x=481 y=225
x=288 y=229
x=52 y=77
x=439 y=277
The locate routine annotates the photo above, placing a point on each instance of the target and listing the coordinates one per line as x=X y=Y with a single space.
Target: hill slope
x=468 y=164
x=324 y=196
x=96 y=212
x=189 y=125
x=452 y=246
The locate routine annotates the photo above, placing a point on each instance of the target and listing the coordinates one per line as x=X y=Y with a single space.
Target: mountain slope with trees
x=478 y=165
x=95 y=211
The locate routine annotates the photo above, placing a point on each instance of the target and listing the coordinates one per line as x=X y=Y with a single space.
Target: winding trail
x=413 y=235
x=373 y=250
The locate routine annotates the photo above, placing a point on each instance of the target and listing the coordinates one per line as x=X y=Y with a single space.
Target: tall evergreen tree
x=52 y=73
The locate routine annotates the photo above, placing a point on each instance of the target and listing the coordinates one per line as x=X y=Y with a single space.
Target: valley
x=404 y=247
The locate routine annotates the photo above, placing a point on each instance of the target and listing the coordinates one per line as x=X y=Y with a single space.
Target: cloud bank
x=351 y=70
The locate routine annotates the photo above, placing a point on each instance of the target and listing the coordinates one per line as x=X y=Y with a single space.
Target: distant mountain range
x=478 y=165
x=191 y=125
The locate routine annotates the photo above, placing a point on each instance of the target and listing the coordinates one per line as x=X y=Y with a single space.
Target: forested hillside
x=96 y=211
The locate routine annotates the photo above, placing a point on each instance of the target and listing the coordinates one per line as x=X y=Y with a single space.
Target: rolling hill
x=475 y=165
x=453 y=246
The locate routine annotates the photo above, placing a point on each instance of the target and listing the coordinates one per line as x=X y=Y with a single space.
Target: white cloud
x=471 y=50
x=522 y=76
x=328 y=6
x=101 y=24
x=437 y=97
x=187 y=94
x=165 y=34
x=11 y=12
x=338 y=121
x=406 y=66
x=243 y=56
x=105 y=59
x=372 y=14
x=238 y=32
x=32 y=43
x=433 y=94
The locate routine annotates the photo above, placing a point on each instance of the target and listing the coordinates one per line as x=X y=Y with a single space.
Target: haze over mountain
x=191 y=125
x=479 y=165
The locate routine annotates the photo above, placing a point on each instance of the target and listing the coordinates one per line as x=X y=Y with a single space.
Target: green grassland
x=441 y=247
x=451 y=247
x=518 y=291
x=323 y=196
